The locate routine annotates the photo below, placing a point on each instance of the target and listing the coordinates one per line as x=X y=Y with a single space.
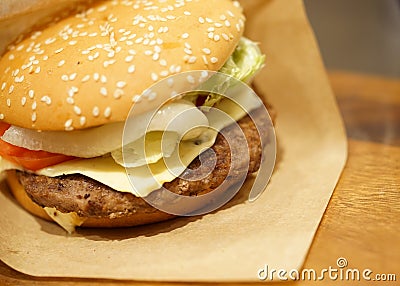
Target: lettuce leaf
x=245 y=61
x=242 y=65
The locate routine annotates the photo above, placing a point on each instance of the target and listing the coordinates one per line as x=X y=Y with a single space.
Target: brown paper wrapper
x=233 y=243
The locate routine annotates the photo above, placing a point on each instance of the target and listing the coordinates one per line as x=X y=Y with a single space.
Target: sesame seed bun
x=88 y=69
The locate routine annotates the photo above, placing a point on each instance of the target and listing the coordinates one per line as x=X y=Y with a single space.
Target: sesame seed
x=222 y=17
x=61 y=63
x=154 y=76
x=96 y=55
x=103 y=79
x=201 y=20
x=187 y=13
x=46 y=99
x=34 y=105
x=64 y=77
x=77 y=110
x=214 y=60
x=19 y=79
x=23 y=101
x=8 y=102
x=173 y=93
x=71 y=92
x=211 y=35
x=188 y=51
x=148 y=52
x=82 y=120
x=129 y=58
x=1 y=116
x=185 y=36
x=131 y=69
x=85 y=52
x=209 y=20
x=11 y=89
x=211 y=29
x=192 y=60
x=102 y=8
x=217 y=38
x=121 y=84
x=11 y=57
x=103 y=91
x=96 y=76
x=207 y=51
x=238 y=27
x=3 y=86
x=164 y=73
x=147 y=92
x=218 y=25
x=33 y=117
x=225 y=36
x=68 y=124
x=136 y=98
x=31 y=93
x=45 y=57
x=94 y=34
x=95 y=111
x=86 y=78
x=50 y=41
x=107 y=112
x=205 y=59
x=163 y=63
x=70 y=100
x=118 y=93
x=72 y=76
x=73 y=42
x=58 y=50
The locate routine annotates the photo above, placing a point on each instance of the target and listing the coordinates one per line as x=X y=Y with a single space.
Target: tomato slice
x=28 y=159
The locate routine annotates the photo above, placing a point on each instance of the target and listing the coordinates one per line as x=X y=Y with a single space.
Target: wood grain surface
x=362 y=221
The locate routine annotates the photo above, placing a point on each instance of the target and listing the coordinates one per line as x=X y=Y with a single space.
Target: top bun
x=87 y=69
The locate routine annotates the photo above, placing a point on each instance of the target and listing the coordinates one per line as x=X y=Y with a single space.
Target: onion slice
x=179 y=116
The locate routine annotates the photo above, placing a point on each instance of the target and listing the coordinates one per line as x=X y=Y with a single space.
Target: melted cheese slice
x=150 y=177
x=68 y=221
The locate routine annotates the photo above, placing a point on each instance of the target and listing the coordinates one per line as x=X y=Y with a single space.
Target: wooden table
x=362 y=221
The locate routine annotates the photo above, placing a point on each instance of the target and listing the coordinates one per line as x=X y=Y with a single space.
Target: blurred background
x=358 y=35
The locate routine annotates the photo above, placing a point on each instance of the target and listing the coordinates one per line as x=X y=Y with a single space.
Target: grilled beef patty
x=89 y=198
